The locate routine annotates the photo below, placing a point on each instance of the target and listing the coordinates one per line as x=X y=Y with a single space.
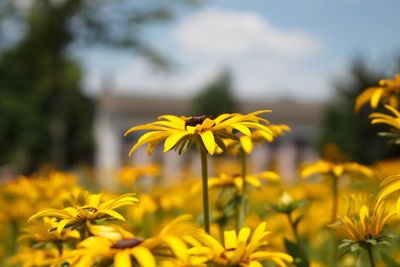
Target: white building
x=116 y=114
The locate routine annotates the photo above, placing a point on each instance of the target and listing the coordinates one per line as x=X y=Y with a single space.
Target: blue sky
x=275 y=49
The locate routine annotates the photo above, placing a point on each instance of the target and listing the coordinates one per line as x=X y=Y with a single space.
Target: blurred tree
x=43 y=115
x=352 y=132
x=216 y=98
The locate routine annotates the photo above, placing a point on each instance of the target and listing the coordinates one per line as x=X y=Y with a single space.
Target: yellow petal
x=173 y=139
x=255 y=264
x=241 y=128
x=208 y=141
x=244 y=234
x=364 y=214
x=207 y=123
x=246 y=144
x=51 y=213
x=269 y=176
x=398 y=206
x=376 y=96
x=230 y=239
x=338 y=170
x=393 y=110
x=113 y=214
x=143 y=256
x=363 y=98
x=148 y=126
x=123 y=259
x=94 y=200
x=321 y=167
x=149 y=137
x=388 y=190
x=175 y=119
x=213 y=244
x=61 y=225
x=177 y=246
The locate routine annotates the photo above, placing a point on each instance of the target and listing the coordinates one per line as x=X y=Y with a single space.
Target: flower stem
x=295 y=234
x=242 y=203
x=204 y=177
x=335 y=197
x=370 y=256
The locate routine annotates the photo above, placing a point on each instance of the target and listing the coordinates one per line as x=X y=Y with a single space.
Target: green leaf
x=344 y=245
x=297 y=221
x=355 y=247
x=371 y=241
x=221 y=144
x=185 y=146
x=297 y=252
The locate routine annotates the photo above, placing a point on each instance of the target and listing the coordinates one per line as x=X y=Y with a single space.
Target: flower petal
x=173 y=139
x=143 y=256
x=208 y=141
x=123 y=259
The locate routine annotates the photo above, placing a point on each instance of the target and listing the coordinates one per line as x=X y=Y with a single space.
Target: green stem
x=334 y=213
x=204 y=177
x=370 y=256
x=241 y=209
x=14 y=233
x=335 y=198
x=295 y=234
x=59 y=246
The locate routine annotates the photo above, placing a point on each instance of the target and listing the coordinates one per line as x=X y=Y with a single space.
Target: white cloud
x=226 y=34
x=265 y=60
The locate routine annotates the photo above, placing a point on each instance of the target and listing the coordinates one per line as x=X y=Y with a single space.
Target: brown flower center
x=90 y=209
x=127 y=243
x=193 y=121
x=223 y=254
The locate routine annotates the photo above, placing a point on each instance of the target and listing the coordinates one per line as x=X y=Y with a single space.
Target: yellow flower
x=169 y=243
x=207 y=133
x=92 y=210
x=387 y=90
x=45 y=257
x=241 y=250
x=389 y=185
x=40 y=231
x=236 y=181
x=245 y=142
x=25 y=195
x=393 y=121
x=336 y=169
x=363 y=220
x=127 y=175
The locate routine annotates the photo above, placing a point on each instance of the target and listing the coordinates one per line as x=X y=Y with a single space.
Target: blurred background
x=75 y=75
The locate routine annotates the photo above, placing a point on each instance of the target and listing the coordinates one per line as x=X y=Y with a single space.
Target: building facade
x=116 y=114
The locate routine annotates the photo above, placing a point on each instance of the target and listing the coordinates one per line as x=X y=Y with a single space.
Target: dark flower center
x=90 y=209
x=127 y=243
x=193 y=121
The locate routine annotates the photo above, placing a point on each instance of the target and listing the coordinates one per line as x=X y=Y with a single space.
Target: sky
x=273 y=49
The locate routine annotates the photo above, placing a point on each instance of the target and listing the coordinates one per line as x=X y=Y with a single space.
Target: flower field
x=337 y=213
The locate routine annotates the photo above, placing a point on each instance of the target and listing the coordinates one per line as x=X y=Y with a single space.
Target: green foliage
x=297 y=252
x=44 y=116
x=216 y=98
x=42 y=108
x=352 y=131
